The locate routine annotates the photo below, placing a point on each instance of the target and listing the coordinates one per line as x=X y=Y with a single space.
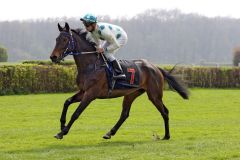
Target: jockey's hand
x=100 y=50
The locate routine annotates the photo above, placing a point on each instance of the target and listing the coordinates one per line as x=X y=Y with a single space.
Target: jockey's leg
x=118 y=69
x=110 y=57
x=116 y=66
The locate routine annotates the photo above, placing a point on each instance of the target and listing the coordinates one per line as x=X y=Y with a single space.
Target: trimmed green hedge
x=32 y=78
x=210 y=77
x=23 y=79
x=48 y=62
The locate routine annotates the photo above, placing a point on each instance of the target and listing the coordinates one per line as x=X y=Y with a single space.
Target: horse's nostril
x=53 y=57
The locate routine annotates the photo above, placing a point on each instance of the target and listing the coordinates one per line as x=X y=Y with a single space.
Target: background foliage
x=44 y=76
x=157 y=35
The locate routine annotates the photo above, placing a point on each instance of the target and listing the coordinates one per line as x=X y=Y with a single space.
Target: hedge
x=48 y=62
x=210 y=77
x=32 y=78
x=19 y=79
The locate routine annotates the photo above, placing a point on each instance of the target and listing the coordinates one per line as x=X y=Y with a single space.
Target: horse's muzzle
x=54 y=58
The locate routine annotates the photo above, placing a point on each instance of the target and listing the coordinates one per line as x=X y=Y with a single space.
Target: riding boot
x=118 y=70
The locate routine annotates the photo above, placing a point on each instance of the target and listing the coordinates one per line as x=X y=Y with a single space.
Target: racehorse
x=92 y=80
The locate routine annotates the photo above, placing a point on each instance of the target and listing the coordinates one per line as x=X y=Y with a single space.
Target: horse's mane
x=83 y=34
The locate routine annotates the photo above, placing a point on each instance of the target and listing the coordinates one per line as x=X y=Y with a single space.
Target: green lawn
x=9 y=63
x=205 y=127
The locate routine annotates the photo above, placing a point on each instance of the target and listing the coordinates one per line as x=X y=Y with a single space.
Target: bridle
x=71 y=47
x=71 y=50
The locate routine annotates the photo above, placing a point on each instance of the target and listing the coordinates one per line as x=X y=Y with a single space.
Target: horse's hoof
x=58 y=136
x=166 y=138
x=65 y=133
x=107 y=136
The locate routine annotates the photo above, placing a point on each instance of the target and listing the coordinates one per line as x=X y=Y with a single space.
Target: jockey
x=112 y=37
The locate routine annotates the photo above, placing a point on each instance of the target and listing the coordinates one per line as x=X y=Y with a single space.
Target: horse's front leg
x=75 y=98
x=86 y=100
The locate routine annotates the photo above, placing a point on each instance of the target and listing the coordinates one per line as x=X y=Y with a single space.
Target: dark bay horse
x=92 y=81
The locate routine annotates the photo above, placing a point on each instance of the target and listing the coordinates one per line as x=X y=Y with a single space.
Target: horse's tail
x=175 y=83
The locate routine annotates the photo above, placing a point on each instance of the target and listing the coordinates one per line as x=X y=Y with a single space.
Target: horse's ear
x=67 y=27
x=60 y=28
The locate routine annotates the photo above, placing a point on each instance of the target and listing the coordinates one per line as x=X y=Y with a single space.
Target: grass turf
x=205 y=127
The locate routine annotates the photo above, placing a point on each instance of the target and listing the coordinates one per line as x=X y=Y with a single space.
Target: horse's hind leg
x=75 y=98
x=166 y=123
x=156 y=99
x=126 y=106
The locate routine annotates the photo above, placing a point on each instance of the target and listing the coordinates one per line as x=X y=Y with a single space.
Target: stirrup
x=120 y=76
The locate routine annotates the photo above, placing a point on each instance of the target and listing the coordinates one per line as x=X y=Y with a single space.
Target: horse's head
x=64 y=44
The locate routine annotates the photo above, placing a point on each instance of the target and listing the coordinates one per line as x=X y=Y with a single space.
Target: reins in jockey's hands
x=100 y=50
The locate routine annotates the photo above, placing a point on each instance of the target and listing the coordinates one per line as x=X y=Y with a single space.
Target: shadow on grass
x=103 y=144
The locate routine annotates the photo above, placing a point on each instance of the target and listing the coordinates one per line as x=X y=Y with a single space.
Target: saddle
x=130 y=69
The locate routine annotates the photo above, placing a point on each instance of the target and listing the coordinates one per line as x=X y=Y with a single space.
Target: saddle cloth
x=130 y=69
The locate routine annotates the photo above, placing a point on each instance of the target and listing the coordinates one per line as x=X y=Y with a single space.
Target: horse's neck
x=84 y=60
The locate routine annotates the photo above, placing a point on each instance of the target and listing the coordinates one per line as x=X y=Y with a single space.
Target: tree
x=161 y=36
x=236 y=56
x=3 y=54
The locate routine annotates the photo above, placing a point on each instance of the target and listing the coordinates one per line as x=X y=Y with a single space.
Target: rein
x=88 y=52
